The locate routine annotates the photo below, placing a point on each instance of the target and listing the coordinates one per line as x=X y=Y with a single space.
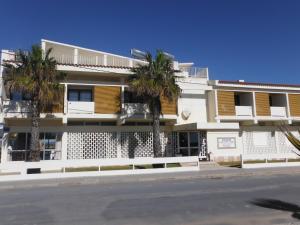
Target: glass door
x=188 y=143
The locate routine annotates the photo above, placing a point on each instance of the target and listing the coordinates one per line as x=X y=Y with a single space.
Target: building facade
x=100 y=118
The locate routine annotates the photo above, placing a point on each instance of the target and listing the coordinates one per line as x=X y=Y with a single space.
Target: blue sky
x=257 y=40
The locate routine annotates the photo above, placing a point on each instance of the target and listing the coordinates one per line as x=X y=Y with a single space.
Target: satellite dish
x=138 y=54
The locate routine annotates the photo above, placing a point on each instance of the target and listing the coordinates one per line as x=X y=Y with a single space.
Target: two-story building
x=100 y=118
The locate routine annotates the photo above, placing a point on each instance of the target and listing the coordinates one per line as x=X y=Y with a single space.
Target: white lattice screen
x=92 y=145
x=284 y=146
x=252 y=146
x=275 y=143
x=96 y=145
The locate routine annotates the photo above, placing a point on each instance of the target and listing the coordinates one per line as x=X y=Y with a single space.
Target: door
x=192 y=144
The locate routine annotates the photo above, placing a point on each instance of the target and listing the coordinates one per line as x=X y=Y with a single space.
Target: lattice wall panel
x=92 y=145
x=284 y=146
x=251 y=148
x=96 y=145
x=139 y=144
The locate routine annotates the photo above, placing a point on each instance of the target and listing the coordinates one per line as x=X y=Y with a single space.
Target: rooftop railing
x=96 y=60
x=196 y=72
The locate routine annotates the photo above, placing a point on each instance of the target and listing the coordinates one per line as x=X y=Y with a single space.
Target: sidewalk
x=224 y=173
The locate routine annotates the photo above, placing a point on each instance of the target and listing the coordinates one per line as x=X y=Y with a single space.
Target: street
x=219 y=201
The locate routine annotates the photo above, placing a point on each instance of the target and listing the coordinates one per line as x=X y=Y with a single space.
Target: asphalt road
x=165 y=202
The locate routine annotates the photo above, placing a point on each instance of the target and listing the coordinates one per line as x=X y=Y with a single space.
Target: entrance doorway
x=192 y=144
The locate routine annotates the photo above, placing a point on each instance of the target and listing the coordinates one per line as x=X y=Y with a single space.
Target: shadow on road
x=278 y=205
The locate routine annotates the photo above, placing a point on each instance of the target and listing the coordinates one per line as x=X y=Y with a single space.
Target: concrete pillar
x=4 y=151
x=66 y=99
x=64 y=144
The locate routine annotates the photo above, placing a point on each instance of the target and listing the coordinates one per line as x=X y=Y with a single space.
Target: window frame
x=79 y=94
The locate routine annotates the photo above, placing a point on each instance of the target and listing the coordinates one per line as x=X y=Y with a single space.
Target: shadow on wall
x=278 y=205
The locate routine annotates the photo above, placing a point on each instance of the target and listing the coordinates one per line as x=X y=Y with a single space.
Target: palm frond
x=291 y=138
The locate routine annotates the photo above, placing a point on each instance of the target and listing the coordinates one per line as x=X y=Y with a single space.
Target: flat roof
x=258 y=84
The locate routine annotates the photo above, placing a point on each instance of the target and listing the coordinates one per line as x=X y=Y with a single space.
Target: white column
x=75 y=56
x=43 y=46
x=122 y=92
x=64 y=145
x=288 y=110
x=216 y=105
x=66 y=99
x=254 y=107
x=4 y=145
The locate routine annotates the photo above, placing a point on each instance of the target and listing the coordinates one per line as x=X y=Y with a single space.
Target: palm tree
x=152 y=81
x=34 y=75
x=291 y=138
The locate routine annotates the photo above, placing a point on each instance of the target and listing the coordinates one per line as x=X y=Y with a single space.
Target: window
x=19 y=146
x=131 y=97
x=79 y=95
x=237 y=99
x=271 y=100
x=19 y=96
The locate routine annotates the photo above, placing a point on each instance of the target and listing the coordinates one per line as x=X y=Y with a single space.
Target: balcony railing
x=16 y=106
x=135 y=108
x=243 y=111
x=75 y=107
x=195 y=72
x=96 y=60
x=278 y=111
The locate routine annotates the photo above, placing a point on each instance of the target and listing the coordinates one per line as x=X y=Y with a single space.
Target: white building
x=100 y=118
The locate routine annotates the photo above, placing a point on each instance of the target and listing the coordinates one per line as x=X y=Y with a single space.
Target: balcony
x=277 y=111
x=195 y=72
x=16 y=106
x=131 y=109
x=243 y=111
x=80 y=107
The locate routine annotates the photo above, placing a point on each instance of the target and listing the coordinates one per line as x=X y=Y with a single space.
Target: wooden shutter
x=107 y=99
x=168 y=108
x=294 y=102
x=262 y=104
x=226 y=105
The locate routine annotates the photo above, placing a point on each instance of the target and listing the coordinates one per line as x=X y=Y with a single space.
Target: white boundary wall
x=187 y=164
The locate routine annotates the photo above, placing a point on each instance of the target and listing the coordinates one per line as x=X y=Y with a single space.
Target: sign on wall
x=226 y=142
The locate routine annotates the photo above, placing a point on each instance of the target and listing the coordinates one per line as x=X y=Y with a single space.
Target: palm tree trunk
x=34 y=142
x=155 y=127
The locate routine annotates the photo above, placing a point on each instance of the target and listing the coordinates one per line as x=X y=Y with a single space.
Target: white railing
x=16 y=106
x=195 y=72
x=81 y=107
x=243 y=110
x=63 y=58
x=190 y=163
x=96 y=60
x=135 y=108
x=278 y=111
x=269 y=160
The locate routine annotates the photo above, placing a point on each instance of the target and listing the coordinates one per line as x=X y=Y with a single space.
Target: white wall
x=195 y=104
x=193 y=99
x=221 y=154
